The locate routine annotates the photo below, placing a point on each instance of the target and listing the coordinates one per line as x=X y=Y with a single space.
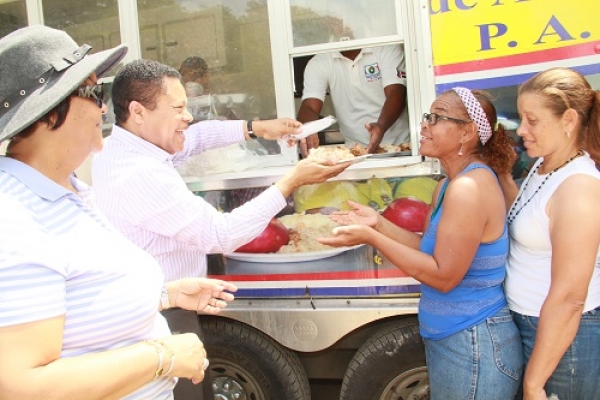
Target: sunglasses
x=94 y=92
x=433 y=119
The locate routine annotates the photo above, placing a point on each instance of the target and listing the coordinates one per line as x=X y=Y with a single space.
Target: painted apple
x=409 y=213
x=270 y=240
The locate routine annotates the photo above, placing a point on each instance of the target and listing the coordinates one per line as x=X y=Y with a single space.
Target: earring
x=460 y=153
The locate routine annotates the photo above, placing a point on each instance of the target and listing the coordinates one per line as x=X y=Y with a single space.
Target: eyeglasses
x=433 y=119
x=94 y=92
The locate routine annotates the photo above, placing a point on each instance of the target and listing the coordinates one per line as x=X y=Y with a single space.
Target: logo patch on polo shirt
x=401 y=74
x=372 y=72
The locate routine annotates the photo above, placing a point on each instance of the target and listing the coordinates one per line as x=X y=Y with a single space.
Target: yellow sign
x=466 y=31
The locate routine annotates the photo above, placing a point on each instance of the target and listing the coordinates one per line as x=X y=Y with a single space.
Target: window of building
x=231 y=36
x=327 y=21
x=94 y=22
x=13 y=16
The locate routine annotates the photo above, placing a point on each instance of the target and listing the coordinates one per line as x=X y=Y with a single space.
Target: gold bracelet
x=171 y=358
x=159 y=350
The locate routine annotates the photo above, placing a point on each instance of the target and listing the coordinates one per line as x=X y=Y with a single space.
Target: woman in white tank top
x=553 y=275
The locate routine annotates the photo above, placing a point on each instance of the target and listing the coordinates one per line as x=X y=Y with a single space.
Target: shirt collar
x=37 y=182
x=137 y=144
x=365 y=50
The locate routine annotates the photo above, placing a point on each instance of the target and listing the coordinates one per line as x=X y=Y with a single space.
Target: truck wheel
x=246 y=364
x=390 y=365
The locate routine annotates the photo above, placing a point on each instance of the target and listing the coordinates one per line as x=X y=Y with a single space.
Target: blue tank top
x=478 y=296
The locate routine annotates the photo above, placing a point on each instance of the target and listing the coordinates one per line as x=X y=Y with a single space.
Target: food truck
x=350 y=315
x=337 y=314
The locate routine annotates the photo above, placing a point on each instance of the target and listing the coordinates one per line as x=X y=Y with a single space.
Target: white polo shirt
x=356 y=89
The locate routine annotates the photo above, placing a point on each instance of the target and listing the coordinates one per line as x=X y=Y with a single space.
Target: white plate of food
x=354 y=159
x=290 y=257
x=391 y=154
x=312 y=127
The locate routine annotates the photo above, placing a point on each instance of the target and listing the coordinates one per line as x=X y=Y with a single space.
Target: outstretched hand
x=204 y=295
x=274 y=129
x=350 y=235
x=307 y=172
x=358 y=215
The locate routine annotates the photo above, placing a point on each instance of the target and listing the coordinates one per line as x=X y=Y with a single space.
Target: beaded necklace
x=512 y=214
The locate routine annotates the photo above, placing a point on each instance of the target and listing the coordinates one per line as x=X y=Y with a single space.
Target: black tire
x=390 y=365
x=247 y=364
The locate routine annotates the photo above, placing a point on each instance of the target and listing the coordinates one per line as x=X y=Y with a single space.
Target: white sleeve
x=160 y=202
x=32 y=284
x=316 y=78
x=206 y=135
x=392 y=63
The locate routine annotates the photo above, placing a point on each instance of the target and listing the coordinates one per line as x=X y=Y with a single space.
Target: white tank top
x=528 y=269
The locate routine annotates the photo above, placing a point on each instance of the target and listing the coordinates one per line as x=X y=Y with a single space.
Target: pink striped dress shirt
x=142 y=194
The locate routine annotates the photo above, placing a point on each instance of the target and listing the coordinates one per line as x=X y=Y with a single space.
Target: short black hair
x=192 y=68
x=141 y=81
x=53 y=119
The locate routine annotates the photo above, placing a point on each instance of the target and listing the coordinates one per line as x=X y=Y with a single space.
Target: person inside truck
x=473 y=348
x=194 y=76
x=553 y=270
x=79 y=302
x=141 y=192
x=368 y=91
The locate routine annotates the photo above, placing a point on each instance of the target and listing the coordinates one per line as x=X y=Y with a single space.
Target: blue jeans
x=577 y=376
x=484 y=362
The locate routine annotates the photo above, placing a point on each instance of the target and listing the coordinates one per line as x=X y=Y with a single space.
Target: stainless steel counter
x=402 y=166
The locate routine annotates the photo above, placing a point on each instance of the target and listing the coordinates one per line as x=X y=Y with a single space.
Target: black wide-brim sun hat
x=40 y=67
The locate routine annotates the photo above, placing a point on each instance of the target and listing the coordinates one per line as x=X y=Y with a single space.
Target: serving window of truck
x=346 y=315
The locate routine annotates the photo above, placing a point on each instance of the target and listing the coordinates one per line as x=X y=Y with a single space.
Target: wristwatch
x=250 y=131
x=164 y=298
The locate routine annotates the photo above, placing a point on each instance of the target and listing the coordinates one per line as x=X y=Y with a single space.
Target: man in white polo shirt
x=368 y=91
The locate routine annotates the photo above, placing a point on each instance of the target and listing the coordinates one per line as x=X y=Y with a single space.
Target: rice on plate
x=304 y=229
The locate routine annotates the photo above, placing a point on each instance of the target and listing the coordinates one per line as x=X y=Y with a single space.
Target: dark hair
x=498 y=152
x=192 y=68
x=563 y=88
x=53 y=119
x=141 y=81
